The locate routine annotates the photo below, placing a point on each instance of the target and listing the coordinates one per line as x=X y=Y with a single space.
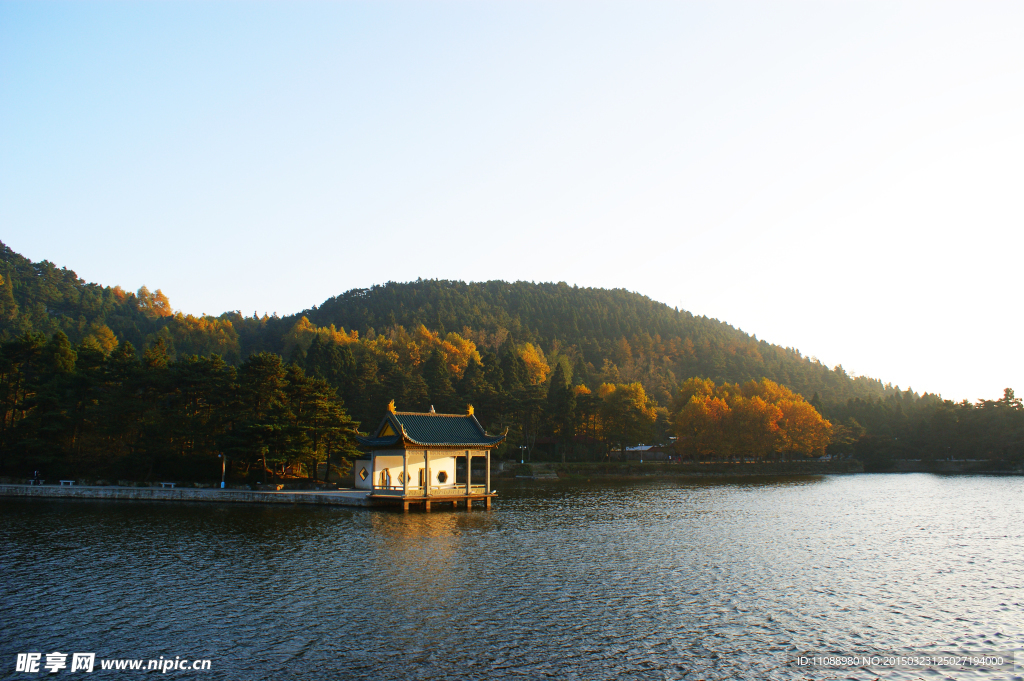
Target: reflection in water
x=716 y=580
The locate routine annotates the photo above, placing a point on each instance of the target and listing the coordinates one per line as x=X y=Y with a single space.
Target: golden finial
x=391 y=406
x=470 y=410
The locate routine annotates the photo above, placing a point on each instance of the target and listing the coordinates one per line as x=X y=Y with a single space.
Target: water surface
x=720 y=580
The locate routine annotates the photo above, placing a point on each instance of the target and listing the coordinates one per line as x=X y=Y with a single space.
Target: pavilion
x=425 y=458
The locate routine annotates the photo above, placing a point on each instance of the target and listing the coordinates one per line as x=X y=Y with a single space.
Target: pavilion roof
x=430 y=430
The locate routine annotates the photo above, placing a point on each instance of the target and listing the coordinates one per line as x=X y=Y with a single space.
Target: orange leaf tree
x=757 y=420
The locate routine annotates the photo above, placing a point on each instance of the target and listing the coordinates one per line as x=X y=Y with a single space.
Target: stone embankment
x=332 y=498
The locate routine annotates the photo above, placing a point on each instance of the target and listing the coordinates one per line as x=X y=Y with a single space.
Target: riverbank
x=111 y=492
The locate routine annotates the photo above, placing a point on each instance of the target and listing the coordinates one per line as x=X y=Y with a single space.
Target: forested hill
x=620 y=335
x=100 y=381
x=39 y=297
x=598 y=335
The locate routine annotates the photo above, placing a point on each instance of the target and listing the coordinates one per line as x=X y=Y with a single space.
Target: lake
x=660 y=580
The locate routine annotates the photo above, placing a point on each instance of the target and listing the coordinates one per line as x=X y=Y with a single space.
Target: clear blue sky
x=841 y=177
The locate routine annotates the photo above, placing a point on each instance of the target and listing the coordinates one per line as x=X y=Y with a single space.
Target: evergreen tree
x=259 y=421
x=438 y=378
x=561 y=408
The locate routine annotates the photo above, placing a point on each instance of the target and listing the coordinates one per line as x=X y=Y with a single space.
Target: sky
x=845 y=178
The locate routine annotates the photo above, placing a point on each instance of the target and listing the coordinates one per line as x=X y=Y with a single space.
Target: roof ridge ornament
x=470 y=411
x=391 y=407
x=432 y=409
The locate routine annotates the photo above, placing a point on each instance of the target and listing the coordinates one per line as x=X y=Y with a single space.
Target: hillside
x=601 y=335
x=97 y=379
x=623 y=335
x=609 y=334
x=39 y=297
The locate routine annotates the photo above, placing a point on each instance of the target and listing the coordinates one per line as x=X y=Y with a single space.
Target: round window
x=442 y=477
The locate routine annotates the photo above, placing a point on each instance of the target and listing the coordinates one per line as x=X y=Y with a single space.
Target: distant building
x=649 y=453
x=425 y=458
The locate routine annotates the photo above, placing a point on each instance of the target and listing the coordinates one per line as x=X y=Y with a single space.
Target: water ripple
x=653 y=581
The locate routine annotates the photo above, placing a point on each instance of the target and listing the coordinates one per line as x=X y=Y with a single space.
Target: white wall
x=392 y=461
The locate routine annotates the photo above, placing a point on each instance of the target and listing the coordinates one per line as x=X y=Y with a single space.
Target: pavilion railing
x=435 y=490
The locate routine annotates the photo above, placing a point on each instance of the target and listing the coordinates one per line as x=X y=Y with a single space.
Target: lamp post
x=223 y=468
x=522 y=459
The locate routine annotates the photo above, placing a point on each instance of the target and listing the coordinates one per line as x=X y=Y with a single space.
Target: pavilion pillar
x=405 y=475
x=487 y=475
x=469 y=473
x=426 y=475
x=373 y=471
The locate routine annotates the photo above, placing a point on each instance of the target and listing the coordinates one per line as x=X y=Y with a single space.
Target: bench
x=67 y=482
x=167 y=484
x=36 y=481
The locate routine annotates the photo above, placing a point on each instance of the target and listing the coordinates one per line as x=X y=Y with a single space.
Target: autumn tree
x=627 y=414
x=536 y=366
x=758 y=420
x=702 y=427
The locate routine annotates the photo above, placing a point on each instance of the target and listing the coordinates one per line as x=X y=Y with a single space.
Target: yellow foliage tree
x=757 y=420
x=691 y=387
x=414 y=349
x=304 y=331
x=103 y=336
x=537 y=368
x=755 y=426
x=769 y=391
x=203 y=336
x=153 y=304
x=803 y=430
x=701 y=426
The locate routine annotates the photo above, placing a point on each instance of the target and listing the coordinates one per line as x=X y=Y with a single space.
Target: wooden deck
x=455 y=499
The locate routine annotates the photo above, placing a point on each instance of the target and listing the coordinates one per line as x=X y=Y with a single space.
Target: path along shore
x=331 y=498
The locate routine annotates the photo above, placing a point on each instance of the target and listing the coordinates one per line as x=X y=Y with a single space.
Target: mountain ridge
x=613 y=334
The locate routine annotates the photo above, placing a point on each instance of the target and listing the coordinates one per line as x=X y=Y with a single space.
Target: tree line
x=623 y=335
x=73 y=411
x=576 y=373
x=910 y=426
x=81 y=410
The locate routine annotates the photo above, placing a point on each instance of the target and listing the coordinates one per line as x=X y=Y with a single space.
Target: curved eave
x=406 y=441
x=377 y=442
x=486 y=443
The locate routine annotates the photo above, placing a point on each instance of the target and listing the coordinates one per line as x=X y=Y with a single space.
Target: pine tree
x=561 y=408
x=439 y=382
